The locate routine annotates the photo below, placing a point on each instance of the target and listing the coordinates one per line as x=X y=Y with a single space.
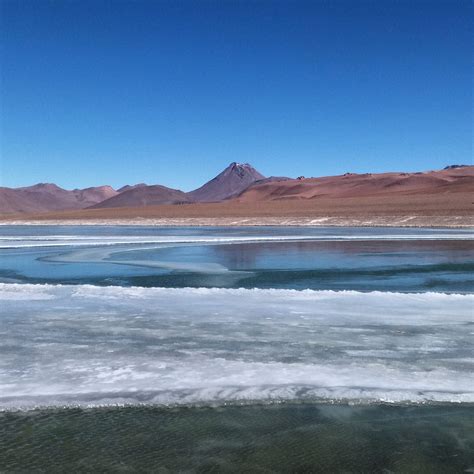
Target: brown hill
x=231 y=182
x=350 y=185
x=144 y=196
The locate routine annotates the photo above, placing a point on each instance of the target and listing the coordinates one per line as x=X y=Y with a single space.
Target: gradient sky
x=171 y=92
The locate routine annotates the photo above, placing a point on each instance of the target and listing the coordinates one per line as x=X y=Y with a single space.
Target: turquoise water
x=299 y=258
x=236 y=349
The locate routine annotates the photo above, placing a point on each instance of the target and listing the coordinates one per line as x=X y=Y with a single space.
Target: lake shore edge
x=376 y=221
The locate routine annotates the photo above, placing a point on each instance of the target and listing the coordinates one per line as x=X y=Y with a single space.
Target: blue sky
x=115 y=92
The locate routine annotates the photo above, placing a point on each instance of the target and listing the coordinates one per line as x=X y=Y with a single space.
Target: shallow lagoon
x=275 y=257
x=220 y=365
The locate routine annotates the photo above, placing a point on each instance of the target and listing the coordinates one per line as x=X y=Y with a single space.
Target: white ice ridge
x=88 y=345
x=29 y=241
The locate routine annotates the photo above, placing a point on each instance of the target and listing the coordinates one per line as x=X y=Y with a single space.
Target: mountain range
x=44 y=197
x=239 y=183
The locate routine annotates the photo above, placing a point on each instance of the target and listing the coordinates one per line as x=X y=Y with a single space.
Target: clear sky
x=170 y=92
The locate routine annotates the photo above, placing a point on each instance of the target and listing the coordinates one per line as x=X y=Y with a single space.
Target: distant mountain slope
x=231 y=182
x=349 y=185
x=128 y=187
x=89 y=196
x=144 y=196
x=45 y=197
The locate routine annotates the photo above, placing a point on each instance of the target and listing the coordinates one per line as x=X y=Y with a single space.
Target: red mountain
x=450 y=180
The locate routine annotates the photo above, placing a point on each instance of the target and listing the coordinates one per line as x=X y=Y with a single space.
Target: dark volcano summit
x=232 y=181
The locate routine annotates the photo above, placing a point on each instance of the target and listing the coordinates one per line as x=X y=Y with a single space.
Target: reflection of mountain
x=326 y=255
x=239 y=257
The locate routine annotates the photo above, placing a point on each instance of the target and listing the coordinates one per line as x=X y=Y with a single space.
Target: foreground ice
x=88 y=345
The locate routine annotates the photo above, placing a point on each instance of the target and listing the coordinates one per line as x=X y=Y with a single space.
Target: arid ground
x=450 y=209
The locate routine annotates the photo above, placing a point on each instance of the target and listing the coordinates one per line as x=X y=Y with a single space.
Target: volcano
x=232 y=181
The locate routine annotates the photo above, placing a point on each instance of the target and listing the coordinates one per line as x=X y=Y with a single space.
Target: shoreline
x=449 y=222
x=240 y=403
